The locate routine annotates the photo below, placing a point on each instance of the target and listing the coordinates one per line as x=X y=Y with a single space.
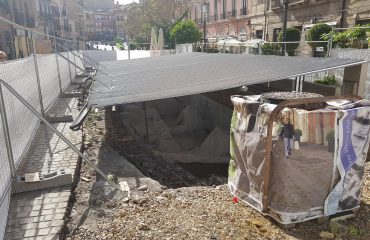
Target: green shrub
x=270 y=49
x=351 y=38
x=292 y=35
x=327 y=80
x=185 y=32
x=317 y=33
x=133 y=46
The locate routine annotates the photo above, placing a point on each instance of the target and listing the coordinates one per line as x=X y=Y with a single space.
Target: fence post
x=74 y=56
x=33 y=42
x=56 y=57
x=69 y=65
x=8 y=143
x=83 y=53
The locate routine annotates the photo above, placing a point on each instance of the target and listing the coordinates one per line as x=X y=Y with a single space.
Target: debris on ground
x=150 y=209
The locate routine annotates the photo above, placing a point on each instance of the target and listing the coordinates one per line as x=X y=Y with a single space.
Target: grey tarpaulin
x=185 y=74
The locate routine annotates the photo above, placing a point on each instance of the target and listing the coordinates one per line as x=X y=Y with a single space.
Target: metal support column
x=83 y=54
x=128 y=49
x=74 y=57
x=33 y=41
x=146 y=123
x=69 y=66
x=8 y=143
x=56 y=57
x=285 y=21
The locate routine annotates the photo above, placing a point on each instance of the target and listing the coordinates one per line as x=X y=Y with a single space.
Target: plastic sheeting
x=185 y=74
x=318 y=174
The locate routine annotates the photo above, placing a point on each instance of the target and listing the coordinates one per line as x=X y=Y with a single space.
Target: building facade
x=101 y=25
x=120 y=15
x=248 y=19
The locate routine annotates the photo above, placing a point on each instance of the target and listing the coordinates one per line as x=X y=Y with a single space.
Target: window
x=259 y=34
x=275 y=34
x=244 y=7
x=224 y=9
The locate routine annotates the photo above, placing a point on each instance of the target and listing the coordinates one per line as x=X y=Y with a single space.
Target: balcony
x=213 y=18
x=223 y=15
x=276 y=4
x=231 y=14
x=243 y=11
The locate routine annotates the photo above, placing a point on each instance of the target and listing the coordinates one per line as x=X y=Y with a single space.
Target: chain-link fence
x=43 y=68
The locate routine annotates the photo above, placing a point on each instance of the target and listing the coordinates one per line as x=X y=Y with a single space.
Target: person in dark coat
x=287 y=134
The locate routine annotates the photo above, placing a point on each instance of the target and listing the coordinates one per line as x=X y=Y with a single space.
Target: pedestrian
x=287 y=134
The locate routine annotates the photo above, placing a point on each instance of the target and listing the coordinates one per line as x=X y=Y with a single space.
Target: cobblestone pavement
x=40 y=214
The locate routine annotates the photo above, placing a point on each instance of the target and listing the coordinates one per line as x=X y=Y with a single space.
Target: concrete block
x=75 y=94
x=58 y=178
x=52 y=118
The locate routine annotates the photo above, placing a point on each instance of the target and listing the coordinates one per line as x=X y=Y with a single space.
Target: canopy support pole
x=146 y=123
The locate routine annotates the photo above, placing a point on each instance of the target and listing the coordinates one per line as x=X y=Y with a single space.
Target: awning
x=177 y=75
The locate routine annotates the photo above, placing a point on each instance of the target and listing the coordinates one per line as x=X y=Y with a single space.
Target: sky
x=125 y=1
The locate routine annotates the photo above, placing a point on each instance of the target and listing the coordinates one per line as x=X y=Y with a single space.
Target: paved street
x=40 y=214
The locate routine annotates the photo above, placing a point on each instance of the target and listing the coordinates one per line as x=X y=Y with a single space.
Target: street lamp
x=204 y=12
x=286 y=5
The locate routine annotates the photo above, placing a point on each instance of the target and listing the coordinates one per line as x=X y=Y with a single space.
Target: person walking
x=287 y=133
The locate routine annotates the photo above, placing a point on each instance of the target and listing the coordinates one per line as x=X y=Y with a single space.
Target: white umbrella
x=233 y=42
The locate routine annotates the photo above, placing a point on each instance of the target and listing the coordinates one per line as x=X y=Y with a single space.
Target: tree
x=156 y=14
x=135 y=23
x=316 y=33
x=292 y=35
x=185 y=32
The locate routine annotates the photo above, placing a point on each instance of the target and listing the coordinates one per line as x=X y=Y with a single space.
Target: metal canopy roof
x=185 y=74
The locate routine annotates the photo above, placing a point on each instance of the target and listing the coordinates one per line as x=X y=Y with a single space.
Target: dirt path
x=194 y=212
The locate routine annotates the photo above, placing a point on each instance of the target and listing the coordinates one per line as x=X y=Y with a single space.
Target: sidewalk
x=40 y=214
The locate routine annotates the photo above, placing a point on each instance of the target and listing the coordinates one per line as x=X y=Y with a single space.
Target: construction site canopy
x=146 y=79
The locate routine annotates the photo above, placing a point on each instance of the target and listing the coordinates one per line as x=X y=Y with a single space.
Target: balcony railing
x=223 y=15
x=231 y=14
x=243 y=11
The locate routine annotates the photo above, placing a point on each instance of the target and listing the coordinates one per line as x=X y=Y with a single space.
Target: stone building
x=76 y=17
x=6 y=36
x=104 y=25
x=247 y=19
x=120 y=15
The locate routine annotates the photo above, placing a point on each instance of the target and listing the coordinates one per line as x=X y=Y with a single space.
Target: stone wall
x=363 y=54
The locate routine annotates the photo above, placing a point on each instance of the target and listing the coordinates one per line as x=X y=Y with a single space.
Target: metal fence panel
x=20 y=74
x=48 y=78
x=4 y=207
